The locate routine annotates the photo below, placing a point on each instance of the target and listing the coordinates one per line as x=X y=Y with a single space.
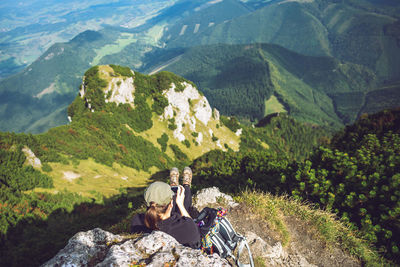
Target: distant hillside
x=255 y=80
x=365 y=33
x=361 y=32
x=28 y=29
x=205 y=16
x=36 y=99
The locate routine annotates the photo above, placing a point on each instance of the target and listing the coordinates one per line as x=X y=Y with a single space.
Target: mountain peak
x=151 y=105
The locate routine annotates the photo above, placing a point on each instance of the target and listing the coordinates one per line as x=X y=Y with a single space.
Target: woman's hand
x=180 y=197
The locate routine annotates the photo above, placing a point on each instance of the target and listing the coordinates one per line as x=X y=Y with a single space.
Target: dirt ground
x=301 y=246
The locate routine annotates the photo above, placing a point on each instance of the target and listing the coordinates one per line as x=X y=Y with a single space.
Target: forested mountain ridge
x=364 y=33
x=260 y=79
x=351 y=32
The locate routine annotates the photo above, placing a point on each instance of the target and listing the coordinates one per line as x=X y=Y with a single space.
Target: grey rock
x=100 y=248
x=212 y=195
x=275 y=255
x=156 y=242
x=122 y=255
x=84 y=248
x=216 y=114
x=257 y=245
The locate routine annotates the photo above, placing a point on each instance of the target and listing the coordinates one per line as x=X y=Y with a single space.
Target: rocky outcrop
x=120 y=91
x=212 y=196
x=31 y=159
x=186 y=107
x=100 y=248
x=275 y=255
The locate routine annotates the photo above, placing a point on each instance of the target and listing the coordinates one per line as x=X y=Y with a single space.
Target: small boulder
x=212 y=195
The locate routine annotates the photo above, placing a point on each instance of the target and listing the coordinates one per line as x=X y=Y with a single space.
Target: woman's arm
x=180 y=197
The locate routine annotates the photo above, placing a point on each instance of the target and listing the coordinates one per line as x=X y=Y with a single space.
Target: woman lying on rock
x=168 y=212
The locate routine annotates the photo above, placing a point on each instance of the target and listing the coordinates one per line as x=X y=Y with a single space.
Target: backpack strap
x=242 y=244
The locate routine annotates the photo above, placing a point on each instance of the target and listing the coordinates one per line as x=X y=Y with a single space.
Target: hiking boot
x=187 y=176
x=174 y=176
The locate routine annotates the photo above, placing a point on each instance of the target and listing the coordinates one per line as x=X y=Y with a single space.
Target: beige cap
x=159 y=193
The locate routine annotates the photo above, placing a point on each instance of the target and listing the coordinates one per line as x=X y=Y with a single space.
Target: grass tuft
x=323 y=225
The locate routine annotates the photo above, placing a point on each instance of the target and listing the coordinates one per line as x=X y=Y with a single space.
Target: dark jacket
x=138 y=226
x=183 y=229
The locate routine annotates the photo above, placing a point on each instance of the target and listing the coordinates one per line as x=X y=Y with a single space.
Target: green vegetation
x=109 y=136
x=113 y=48
x=179 y=155
x=14 y=174
x=54 y=78
x=94 y=88
x=171 y=124
x=281 y=134
x=123 y=71
x=219 y=13
x=231 y=122
x=160 y=103
x=163 y=140
x=234 y=80
x=322 y=224
x=362 y=32
x=186 y=143
x=273 y=105
x=356 y=176
x=360 y=37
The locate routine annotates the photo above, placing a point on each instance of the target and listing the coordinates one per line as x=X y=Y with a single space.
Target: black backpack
x=218 y=235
